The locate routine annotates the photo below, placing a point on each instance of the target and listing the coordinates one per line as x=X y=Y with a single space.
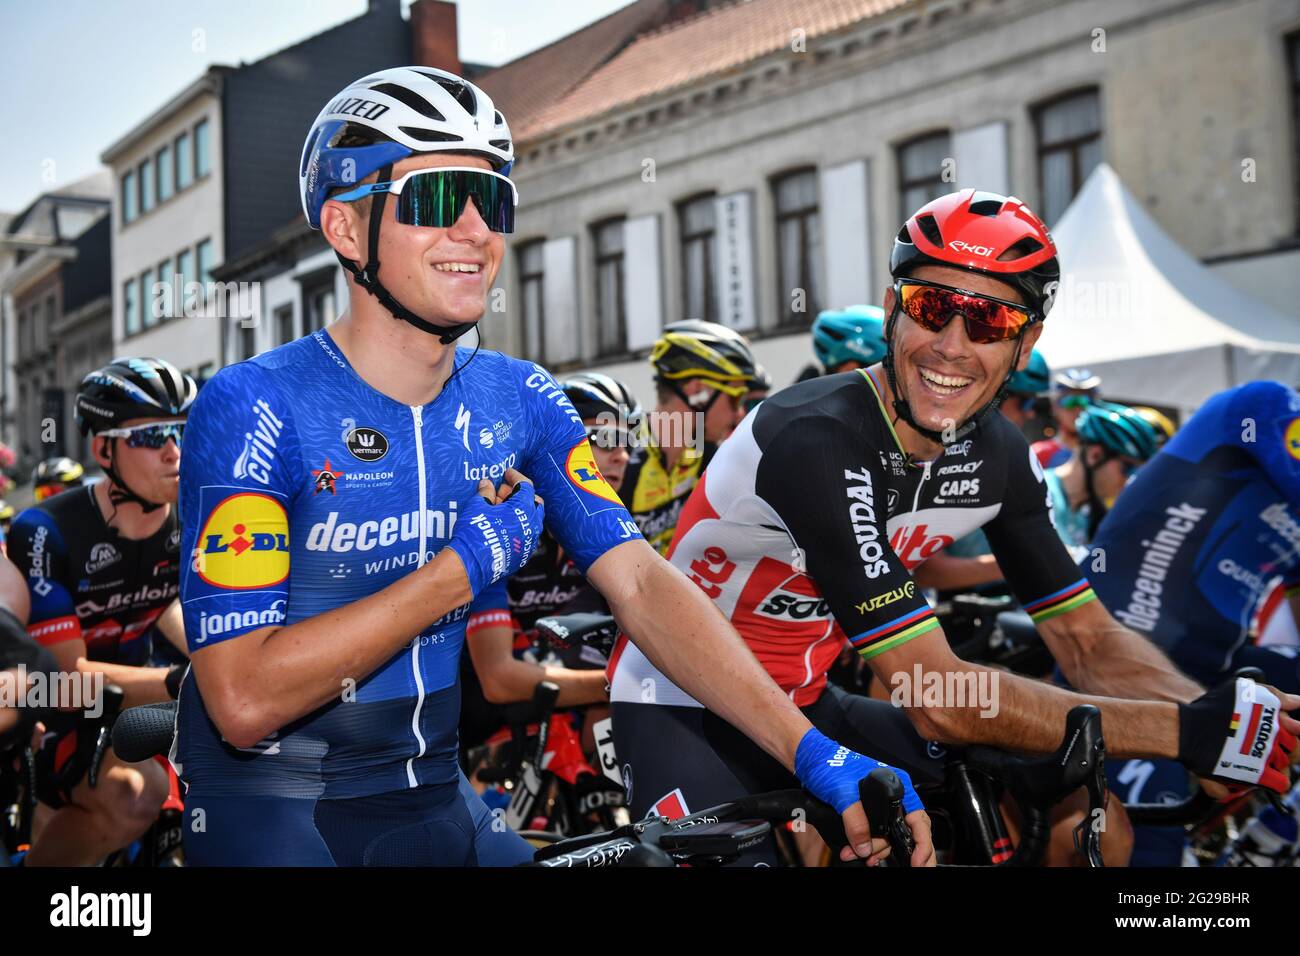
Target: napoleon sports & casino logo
x=245 y=543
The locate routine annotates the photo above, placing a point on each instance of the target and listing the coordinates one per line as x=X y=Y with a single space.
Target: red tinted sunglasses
x=932 y=306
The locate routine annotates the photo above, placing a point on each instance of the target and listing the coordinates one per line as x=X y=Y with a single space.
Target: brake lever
x=101 y=747
x=881 y=793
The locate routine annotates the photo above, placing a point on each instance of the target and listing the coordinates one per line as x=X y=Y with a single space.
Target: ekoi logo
x=245 y=543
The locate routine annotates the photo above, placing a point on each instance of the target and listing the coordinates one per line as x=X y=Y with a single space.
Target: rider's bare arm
x=684 y=635
x=507 y=679
x=171 y=625
x=13 y=590
x=1100 y=656
x=956 y=702
x=258 y=682
x=142 y=685
x=945 y=572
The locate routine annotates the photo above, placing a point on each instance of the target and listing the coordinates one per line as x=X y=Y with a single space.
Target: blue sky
x=80 y=73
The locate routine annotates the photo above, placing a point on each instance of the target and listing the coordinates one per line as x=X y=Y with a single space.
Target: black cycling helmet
x=594 y=394
x=761 y=380
x=130 y=388
x=58 y=471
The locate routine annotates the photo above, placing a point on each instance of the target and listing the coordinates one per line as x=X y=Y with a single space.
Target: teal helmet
x=854 y=334
x=1034 y=379
x=1119 y=429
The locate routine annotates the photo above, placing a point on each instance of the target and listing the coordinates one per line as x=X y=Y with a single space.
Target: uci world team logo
x=581 y=468
x=1292 y=439
x=245 y=543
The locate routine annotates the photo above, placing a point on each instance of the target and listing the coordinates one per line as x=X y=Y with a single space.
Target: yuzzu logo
x=582 y=471
x=245 y=543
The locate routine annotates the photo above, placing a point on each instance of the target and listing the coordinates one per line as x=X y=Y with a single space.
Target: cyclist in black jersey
x=495 y=669
x=102 y=565
x=808 y=522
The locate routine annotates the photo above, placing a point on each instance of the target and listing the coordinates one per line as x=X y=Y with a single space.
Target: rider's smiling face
x=945 y=376
x=415 y=259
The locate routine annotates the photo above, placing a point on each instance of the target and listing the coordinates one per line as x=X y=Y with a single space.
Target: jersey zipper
x=916 y=499
x=418 y=414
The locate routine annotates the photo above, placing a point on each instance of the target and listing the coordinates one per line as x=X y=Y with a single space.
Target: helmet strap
x=903 y=409
x=368 y=277
x=119 y=492
x=1096 y=507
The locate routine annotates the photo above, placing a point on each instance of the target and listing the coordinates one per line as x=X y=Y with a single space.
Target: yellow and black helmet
x=1159 y=421
x=6 y=512
x=58 y=471
x=705 y=350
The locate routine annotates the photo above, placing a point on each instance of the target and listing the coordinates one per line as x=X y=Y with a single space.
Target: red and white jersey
x=806 y=526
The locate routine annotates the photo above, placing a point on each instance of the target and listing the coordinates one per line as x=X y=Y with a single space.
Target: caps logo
x=244 y=544
x=581 y=468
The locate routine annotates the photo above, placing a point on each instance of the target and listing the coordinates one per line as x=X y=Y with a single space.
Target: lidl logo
x=582 y=471
x=245 y=543
x=1293 y=439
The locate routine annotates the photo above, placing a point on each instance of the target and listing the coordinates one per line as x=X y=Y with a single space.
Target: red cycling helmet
x=998 y=236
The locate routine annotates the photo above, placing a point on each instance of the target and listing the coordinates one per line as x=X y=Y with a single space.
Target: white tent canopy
x=1146 y=316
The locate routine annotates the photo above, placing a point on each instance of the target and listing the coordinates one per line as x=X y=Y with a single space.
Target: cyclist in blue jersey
x=346 y=497
x=1195 y=541
x=1190 y=549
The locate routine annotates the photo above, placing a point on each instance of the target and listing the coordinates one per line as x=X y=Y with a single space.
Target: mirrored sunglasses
x=437 y=197
x=148 y=436
x=932 y=307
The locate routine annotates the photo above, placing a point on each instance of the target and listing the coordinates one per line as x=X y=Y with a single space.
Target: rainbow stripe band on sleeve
x=896 y=632
x=1066 y=599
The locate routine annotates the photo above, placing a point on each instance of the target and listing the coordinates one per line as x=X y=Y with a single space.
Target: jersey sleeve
x=832 y=502
x=236 y=488
x=1265 y=422
x=37 y=549
x=1031 y=554
x=583 y=512
x=490 y=608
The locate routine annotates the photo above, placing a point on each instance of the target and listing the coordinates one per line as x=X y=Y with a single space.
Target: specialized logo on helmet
x=581 y=468
x=1293 y=439
x=245 y=543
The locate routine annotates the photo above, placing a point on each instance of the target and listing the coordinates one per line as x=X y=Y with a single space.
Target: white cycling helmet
x=384 y=117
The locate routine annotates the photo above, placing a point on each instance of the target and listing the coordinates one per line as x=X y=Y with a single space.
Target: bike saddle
x=593 y=630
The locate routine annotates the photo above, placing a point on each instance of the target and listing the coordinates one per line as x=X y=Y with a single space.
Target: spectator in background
x=1076 y=389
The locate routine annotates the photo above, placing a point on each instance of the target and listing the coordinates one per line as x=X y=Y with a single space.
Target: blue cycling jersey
x=1206 y=527
x=303 y=490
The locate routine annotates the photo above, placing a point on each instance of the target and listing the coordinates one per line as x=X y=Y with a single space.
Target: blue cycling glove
x=831 y=772
x=495 y=541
